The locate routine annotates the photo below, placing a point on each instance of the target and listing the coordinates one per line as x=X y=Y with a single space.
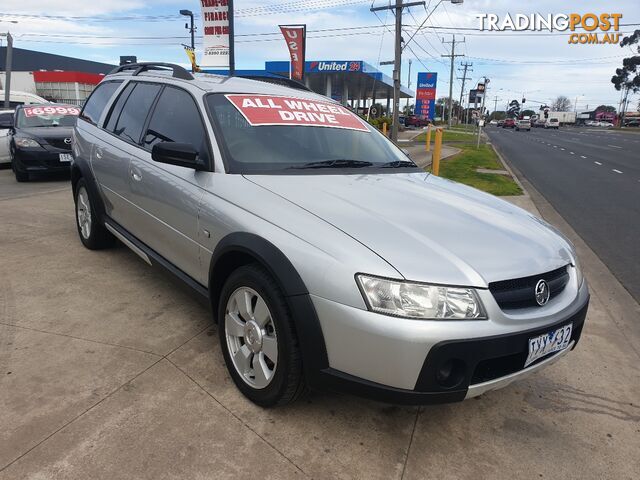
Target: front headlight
x=419 y=300
x=24 y=142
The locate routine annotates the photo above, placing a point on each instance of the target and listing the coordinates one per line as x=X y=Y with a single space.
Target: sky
x=538 y=65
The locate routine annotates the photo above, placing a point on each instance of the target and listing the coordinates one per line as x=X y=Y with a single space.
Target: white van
x=21 y=98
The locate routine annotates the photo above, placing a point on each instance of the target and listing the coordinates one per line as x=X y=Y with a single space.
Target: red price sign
x=50 y=111
x=273 y=110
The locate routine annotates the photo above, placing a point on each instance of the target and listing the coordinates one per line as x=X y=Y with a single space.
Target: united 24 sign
x=325 y=66
x=426 y=95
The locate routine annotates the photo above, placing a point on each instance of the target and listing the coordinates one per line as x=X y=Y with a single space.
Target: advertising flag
x=191 y=53
x=295 y=36
x=217 y=27
x=426 y=95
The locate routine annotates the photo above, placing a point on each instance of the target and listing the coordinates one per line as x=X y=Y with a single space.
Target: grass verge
x=462 y=168
x=448 y=136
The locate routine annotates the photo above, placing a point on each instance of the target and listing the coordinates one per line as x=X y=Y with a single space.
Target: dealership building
x=352 y=82
x=54 y=77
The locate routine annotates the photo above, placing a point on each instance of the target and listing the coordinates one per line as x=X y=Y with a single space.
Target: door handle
x=98 y=153
x=136 y=174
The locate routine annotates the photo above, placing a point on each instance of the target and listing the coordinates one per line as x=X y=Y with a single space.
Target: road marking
x=582 y=156
x=572 y=153
x=613 y=146
x=562 y=149
x=597 y=163
x=555 y=146
x=617 y=171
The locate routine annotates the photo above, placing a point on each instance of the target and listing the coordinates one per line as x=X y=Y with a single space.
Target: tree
x=561 y=104
x=605 y=108
x=528 y=113
x=628 y=77
x=497 y=115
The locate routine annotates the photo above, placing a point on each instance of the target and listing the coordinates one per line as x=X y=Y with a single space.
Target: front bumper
x=403 y=361
x=33 y=160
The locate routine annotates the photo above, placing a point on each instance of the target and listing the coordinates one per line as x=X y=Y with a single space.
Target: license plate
x=65 y=157
x=547 y=343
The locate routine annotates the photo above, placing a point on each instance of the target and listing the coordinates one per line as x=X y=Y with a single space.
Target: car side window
x=6 y=118
x=98 y=100
x=134 y=112
x=117 y=107
x=176 y=118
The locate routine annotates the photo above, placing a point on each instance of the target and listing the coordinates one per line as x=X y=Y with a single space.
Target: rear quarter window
x=98 y=100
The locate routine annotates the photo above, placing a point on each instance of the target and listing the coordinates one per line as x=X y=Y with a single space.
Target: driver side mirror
x=180 y=154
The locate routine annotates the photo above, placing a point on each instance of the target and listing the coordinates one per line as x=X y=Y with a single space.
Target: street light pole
x=481 y=119
x=189 y=13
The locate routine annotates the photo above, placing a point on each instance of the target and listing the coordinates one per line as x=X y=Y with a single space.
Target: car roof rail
x=284 y=81
x=177 y=70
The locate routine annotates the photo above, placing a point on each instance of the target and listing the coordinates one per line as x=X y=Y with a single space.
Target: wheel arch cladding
x=81 y=169
x=242 y=248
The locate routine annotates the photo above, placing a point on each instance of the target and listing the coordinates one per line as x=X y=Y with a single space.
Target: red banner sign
x=261 y=110
x=295 y=36
x=46 y=111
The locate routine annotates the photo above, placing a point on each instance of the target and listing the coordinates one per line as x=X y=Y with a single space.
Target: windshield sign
x=50 y=111
x=261 y=110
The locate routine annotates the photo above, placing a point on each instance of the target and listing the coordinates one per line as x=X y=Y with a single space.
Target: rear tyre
x=91 y=230
x=258 y=339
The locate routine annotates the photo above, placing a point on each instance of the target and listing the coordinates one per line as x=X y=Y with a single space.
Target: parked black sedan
x=41 y=139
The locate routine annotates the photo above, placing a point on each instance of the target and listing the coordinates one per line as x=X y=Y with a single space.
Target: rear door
x=119 y=142
x=167 y=197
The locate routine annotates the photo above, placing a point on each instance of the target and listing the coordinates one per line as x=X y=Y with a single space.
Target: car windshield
x=267 y=146
x=47 y=116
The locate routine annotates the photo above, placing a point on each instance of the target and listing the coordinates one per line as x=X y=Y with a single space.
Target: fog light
x=451 y=373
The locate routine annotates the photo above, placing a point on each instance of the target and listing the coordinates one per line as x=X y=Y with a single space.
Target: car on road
x=6 y=125
x=40 y=139
x=509 y=123
x=552 y=123
x=416 y=121
x=500 y=123
x=523 y=125
x=330 y=260
x=632 y=123
x=493 y=122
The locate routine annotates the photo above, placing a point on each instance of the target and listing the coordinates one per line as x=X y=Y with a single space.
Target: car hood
x=45 y=132
x=428 y=228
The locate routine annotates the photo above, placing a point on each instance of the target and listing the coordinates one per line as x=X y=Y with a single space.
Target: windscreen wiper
x=338 y=163
x=398 y=164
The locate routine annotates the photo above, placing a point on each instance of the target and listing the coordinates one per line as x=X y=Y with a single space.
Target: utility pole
x=408 y=85
x=466 y=66
x=495 y=104
x=397 y=62
x=9 y=59
x=453 y=56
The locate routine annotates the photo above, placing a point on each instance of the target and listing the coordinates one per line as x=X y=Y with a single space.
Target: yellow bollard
x=384 y=128
x=437 y=149
x=428 y=142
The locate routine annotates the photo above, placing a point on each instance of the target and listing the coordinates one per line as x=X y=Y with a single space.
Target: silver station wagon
x=330 y=260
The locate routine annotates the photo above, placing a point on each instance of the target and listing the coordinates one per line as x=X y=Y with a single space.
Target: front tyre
x=92 y=232
x=258 y=339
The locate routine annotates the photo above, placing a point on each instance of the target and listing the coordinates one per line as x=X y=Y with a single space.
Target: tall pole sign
x=217 y=30
x=426 y=95
x=295 y=36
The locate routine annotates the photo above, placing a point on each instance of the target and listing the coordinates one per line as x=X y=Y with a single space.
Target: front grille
x=520 y=292
x=58 y=143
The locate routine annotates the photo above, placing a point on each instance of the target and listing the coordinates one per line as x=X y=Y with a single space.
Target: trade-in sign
x=426 y=95
x=261 y=110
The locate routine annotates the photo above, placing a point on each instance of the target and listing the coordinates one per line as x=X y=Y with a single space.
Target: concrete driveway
x=111 y=369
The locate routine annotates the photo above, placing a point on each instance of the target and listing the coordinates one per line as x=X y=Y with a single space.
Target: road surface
x=592 y=178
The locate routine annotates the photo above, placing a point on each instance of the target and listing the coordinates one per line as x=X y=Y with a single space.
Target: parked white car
x=21 y=98
x=6 y=121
